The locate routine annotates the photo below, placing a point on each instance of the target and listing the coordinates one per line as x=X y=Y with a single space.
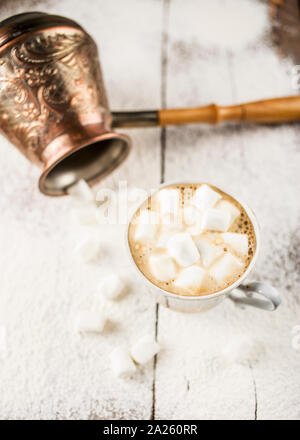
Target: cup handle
x=256 y=294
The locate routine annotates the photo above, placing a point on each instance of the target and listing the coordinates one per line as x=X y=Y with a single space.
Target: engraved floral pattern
x=46 y=80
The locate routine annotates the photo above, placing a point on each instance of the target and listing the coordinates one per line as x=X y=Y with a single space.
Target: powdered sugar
x=258 y=163
x=223 y=24
x=49 y=372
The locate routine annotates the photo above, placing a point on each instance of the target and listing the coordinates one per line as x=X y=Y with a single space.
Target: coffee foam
x=241 y=224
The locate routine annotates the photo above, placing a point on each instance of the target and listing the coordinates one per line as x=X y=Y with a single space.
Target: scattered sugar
x=242 y=349
x=46 y=372
x=224 y=25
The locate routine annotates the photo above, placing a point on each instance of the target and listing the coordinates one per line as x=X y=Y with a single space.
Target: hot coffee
x=191 y=239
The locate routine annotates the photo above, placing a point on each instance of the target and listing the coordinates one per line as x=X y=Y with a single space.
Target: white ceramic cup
x=255 y=294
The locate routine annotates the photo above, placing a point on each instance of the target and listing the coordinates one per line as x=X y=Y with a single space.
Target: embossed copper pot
x=53 y=105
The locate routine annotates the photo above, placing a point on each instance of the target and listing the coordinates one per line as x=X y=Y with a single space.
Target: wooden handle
x=268 y=111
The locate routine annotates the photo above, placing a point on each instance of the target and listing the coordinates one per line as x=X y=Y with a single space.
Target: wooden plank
x=152 y=57
x=249 y=161
x=195 y=388
x=276 y=374
x=49 y=372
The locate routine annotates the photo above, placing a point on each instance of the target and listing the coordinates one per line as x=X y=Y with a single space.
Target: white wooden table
x=152 y=57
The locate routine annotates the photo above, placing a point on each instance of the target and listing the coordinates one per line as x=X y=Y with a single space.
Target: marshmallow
x=88 y=248
x=168 y=201
x=193 y=218
x=111 y=286
x=242 y=349
x=121 y=362
x=171 y=223
x=86 y=215
x=90 y=321
x=205 y=197
x=226 y=206
x=144 y=349
x=238 y=242
x=182 y=248
x=215 y=220
x=81 y=191
x=162 y=267
x=191 y=215
x=147 y=224
x=224 y=268
x=190 y=278
x=208 y=252
x=163 y=240
x=195 y=229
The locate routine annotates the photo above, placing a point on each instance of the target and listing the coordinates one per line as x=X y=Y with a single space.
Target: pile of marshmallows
x=112 y=287
x=183 y=252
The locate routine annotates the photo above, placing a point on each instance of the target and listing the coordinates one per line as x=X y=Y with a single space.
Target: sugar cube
x=208 y=251
x=190 y=278
x=90 y=321
x=183 y=249
x=168 y=201
x=227 y=266
x=147 y=225
x=81 y=191
x=88 y=248
x=215 y=220
x=238 y=242
x=144 y=349
x=121 y=362
x=226 y=206
x=205 y=197
x=162 y=267
x=112 y=286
